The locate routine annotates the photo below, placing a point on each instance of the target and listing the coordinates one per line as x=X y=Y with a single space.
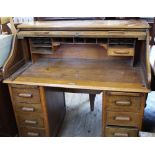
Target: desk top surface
x=84 y=25
x=83 y=74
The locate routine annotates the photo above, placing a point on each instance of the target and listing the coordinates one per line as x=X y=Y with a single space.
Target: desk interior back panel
x=77 y=51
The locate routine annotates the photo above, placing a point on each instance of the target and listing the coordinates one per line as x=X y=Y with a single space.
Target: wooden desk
x=109 y=57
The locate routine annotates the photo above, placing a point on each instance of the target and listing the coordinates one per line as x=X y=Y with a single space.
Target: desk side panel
x=56 y=109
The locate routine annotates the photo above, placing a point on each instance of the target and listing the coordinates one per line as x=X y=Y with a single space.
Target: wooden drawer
x=31 y=120
x=119 y=101
x=120 y=132
x=28 y=108
x=123 y=119
x=26 y=95
x=121 y=51
x=31 y=132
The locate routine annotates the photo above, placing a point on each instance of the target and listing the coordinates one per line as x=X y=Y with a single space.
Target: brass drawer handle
x=123 y=103
x=33 y=134
x=121 y=52
x=30 y=122
x=26 y=95
x=28 y=109
x=118 y=134
x=122 y=118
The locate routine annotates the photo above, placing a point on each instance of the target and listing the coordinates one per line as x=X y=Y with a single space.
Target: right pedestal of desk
x=122 y=113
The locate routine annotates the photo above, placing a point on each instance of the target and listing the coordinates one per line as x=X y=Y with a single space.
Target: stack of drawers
x=28 y=110
x=122 y=113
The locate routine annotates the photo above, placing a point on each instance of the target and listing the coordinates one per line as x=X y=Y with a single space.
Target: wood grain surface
x=85 y=25
x=84 y=74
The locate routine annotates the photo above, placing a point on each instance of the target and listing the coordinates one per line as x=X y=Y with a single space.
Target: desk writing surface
x=83 y=74
x=85 y=25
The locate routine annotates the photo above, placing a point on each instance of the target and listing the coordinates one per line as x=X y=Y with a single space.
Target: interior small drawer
x=124 y=101
x=120 y=132
x=120 y=51
x=123 y=119
x=28 y=108
x=32 y=120
x=26 y=95
x=31 y=132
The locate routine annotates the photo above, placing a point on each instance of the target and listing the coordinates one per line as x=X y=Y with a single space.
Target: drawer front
x=31 y=132
x=26 y=95
x=30 y=120
x=124 y=103
x=120 y=132
x=120 y=51
x=123 y=119
x=28 y=108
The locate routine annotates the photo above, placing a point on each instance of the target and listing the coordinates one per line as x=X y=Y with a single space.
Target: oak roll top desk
x=90 y=56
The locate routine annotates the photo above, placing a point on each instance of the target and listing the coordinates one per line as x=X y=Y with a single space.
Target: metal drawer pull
x=123 y=103
x=33 y=134
x=122 y=118
x=26 y=95
x=27 y=109
x=118 y=134
x=30 y=122
x=121 y=52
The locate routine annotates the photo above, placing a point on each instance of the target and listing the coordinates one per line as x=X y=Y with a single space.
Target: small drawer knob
x=122 y=118
x=118 y=134
x=30 y=122
x=29 y=109
x=26 y=95
x=35 y=134
x=123 y=103
x=121 y=52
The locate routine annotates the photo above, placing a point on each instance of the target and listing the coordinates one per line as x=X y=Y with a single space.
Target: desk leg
x=92 y=100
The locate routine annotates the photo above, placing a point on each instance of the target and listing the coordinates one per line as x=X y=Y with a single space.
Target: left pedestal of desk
x=39 y=111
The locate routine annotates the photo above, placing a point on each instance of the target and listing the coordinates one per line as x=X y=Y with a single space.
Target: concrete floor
x=81 y=122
